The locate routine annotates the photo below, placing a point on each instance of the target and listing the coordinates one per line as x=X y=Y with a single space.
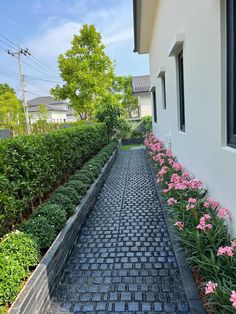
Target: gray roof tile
x=141 y=84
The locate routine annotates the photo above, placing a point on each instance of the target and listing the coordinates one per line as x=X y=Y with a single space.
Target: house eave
x=143 y=19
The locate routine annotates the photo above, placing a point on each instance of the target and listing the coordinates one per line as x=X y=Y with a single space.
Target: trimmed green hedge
x=19 y=251
x=32 y=166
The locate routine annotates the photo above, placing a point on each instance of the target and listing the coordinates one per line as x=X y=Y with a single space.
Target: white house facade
x=141 y=89
x=57 y=111
x=193 y=81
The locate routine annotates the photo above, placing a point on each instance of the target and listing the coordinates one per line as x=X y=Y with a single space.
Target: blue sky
x=46 y=27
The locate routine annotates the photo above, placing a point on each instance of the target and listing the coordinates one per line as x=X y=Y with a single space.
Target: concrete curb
x=34 y=298
x=191 y=290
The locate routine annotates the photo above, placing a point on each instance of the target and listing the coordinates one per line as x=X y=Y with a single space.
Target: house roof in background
x=141 y=84
x=45 y=100
x=50 y=103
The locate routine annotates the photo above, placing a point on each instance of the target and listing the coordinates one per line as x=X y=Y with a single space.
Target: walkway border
x=191 y=290
x=35 y=296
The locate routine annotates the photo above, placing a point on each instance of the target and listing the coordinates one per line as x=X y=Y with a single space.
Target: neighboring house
x=192 y=54
x=141 y=89
x=57 y=111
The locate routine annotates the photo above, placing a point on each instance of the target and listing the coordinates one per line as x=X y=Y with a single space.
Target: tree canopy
x=11 y=110
x=87 y=72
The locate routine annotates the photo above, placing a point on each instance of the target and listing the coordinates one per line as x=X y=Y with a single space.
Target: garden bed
x=40 y=230
x=201 y=226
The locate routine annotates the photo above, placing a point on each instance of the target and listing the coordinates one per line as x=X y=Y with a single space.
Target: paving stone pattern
x=123 y=261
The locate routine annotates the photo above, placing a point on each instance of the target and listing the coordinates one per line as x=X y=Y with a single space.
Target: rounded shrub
x=55 y=214
x=41 y=230
x=64 y=202
x=69 y=192
x=78 y=185
x=82 y=177
x=20 y=247
x=12 y=273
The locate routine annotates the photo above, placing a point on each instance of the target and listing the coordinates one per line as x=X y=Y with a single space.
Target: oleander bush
x=202 y=226
x=19 y=251
x=32 y=166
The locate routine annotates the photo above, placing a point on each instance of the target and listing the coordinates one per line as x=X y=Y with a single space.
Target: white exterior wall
x=145 y=105
x=53 y=116
x=202 y=149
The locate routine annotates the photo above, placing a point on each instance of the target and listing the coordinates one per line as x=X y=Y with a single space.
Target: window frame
x=163 y=89
x=181 y=91
x=230 y=72
x=154 y=103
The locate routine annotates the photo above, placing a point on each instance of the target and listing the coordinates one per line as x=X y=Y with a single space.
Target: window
x=163 y=86
x=153 y=90
x=231 y=72
x=180 y=68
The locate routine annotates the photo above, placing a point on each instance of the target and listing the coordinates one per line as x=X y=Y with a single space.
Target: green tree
x=122 y=86
x=109 y=112
x=87 y=72
x=11 y=109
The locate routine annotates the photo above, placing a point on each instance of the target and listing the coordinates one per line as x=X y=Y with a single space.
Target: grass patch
x=131 y=146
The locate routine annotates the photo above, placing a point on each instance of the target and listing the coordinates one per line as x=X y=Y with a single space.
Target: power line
x=9 y=40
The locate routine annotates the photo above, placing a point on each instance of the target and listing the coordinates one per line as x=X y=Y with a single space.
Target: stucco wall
x=145 y=105
x=202 y=149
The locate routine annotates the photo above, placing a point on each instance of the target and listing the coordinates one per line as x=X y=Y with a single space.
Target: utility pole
x=19 y=53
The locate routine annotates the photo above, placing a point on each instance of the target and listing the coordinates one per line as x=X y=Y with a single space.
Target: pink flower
x=163 y=171
x=223 y=212
x=210 y=287
x=192 y=200
x=225 y=250
x=171 y=201
x=210 y=203
x=179 y=225
x=233 y=244
x=202 y=225
x=233 y=298
x=177 y=166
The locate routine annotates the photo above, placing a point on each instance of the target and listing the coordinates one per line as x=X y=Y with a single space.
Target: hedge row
x=33 y=166
x=19 y=251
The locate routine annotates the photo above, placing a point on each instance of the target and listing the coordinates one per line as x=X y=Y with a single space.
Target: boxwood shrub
x=40 y=230
x=54 y=214
x=68 y=191
x=78 y=185
x=63 y=201
x=18 y=254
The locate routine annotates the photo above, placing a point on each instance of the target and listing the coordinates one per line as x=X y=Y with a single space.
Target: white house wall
x=202 y=149
x=145 y=105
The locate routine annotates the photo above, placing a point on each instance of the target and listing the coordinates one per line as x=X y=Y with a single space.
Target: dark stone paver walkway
x=123 y=261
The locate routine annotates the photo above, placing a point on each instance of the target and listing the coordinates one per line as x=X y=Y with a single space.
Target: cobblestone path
x=123 y=261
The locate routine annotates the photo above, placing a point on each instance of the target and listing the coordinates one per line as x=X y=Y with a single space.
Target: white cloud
x=54 y=40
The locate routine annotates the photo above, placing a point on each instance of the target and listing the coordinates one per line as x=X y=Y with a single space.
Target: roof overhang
x=144 y=16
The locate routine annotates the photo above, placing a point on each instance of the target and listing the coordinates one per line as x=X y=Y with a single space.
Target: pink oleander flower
x=210 y=203
x=159 y=180
x=177 y=166
x=203 y=225
x=233 y=298
x=223 y=213
x=171 y=201
x=195 y=184
x=186 y=175
x=210 y=287
x=233 y=243
x=169 y=153
x=225 y=250
x=179 y=225
x=190 y=206
x=192 y=200
x=163 y=171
